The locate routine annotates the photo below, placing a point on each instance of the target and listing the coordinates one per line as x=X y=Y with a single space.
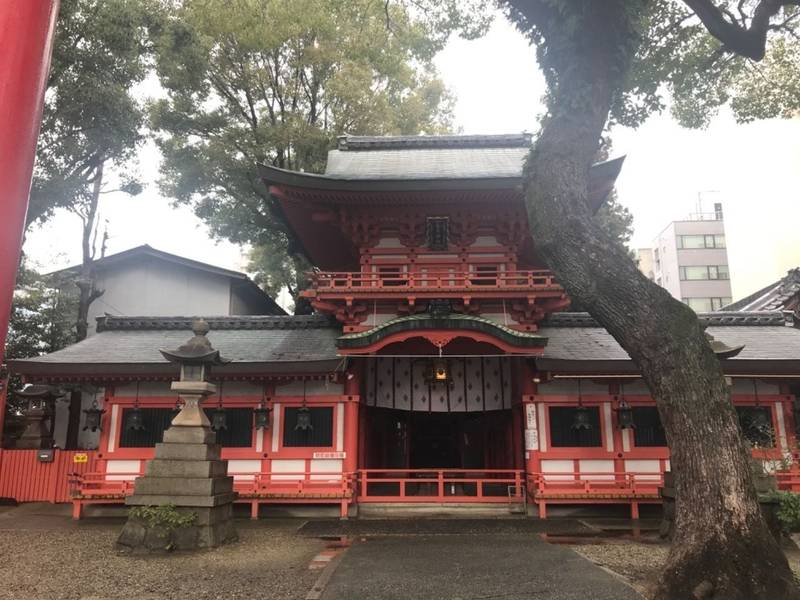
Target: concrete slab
x=385 y=527
x=462 y=567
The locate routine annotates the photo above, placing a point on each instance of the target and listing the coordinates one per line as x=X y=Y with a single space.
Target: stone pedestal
x=37 y=432
x=187 y=473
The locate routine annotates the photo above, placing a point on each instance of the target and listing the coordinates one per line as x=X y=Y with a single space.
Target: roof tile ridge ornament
x=731 y=318
x=348 y=142
x=112 y=322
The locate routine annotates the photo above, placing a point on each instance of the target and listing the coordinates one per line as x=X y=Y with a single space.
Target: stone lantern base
x=188 y=474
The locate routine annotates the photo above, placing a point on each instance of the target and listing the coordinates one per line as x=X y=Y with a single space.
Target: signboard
x=530 y=416
x=80 y=458
x=531 y=439
x=328 y=455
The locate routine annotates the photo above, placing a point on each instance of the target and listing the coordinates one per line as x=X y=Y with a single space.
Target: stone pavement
x=469 y=567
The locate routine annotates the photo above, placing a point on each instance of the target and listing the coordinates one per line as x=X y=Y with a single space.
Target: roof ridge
x=390 y=142
x=117 y=323
x=730 y=318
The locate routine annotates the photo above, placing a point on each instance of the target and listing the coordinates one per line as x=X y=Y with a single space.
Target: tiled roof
x=395 y=142
x=730 y=318
x=137 y=340
x=775 y=296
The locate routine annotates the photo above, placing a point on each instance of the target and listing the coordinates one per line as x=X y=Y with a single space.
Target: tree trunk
x=721 y=548
x=88 y=293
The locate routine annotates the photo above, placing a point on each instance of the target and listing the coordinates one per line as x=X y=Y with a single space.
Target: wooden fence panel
x=26 y=479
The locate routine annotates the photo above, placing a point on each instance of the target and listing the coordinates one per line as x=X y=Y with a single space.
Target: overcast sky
x=753 y=169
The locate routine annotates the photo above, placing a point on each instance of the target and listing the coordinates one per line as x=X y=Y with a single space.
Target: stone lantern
x=38 y=416
x=186 y=472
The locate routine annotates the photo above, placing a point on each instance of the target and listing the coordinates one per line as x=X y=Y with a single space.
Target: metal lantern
x=581 y=419
x=625 y=416
x=219 y=419
x=303 y=419
x=135 y=421
x=94 y=416
x=261 y=415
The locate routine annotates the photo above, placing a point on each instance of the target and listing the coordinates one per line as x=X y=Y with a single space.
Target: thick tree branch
x=749 y=42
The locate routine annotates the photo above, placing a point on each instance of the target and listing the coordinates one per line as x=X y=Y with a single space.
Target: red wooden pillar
x=26 y=29
x=352 y=389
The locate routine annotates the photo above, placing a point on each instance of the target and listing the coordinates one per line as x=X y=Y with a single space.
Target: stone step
x=183 y=486
x=163 y=467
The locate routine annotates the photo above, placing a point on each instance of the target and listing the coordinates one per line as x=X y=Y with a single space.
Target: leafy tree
x=268 y=81
x=620 y=61
x=92 y=120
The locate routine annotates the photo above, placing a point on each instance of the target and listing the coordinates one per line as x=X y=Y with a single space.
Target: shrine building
x=442 y=368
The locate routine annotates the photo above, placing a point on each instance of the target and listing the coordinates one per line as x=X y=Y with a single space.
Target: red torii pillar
x=26 y=36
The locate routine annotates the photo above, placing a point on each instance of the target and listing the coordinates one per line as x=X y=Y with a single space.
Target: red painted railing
x=433 y=280
x=588 y=484
x=25 y=479
x=788 y=481
x=440 y=485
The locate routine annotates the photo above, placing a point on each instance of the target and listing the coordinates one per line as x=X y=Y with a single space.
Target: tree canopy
x=267 y=81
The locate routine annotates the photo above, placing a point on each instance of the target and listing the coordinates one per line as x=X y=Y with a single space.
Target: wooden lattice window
x=320 y=435
x=564 y=435
x=648 y=431
x=438 y=233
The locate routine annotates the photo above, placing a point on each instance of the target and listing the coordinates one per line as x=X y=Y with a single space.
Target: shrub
x=166 y=516
x=788 y=510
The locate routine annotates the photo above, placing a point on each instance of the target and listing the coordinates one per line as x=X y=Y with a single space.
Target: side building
x=689 y=259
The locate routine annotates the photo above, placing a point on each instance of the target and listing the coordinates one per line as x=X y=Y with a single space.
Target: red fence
x=440 y=485
x=26 y=479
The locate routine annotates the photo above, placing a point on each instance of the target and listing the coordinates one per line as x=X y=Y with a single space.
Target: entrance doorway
x=399 y=439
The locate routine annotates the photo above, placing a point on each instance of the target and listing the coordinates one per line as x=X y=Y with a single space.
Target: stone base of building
x=186 y=474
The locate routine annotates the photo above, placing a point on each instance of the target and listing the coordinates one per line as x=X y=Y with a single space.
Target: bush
x=166 y=516
x=788 y=510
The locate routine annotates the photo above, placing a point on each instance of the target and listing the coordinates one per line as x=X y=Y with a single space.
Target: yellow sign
x=80 y=458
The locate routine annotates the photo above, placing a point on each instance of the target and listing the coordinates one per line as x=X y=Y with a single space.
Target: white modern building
x=690 y=260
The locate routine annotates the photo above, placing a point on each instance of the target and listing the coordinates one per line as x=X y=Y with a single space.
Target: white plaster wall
x=745 y=387
x=570 y=387
x=152 y=287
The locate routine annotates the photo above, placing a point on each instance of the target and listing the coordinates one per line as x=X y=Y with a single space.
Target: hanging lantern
x=303 y=418
x=437 y=372
x=624 y=412
x=135 y=420
x=760 y=421
x=581 y=420
x=94 y=416
x=219 y=418
x=261 y=416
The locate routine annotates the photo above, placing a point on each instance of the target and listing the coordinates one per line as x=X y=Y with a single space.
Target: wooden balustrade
x=440 y=485
x=432 y=281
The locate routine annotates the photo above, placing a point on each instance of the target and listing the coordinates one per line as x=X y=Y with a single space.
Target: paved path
x=469 y=567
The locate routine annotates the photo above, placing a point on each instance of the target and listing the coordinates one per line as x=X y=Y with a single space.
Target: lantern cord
x=136 y=402
x=580 y=395
x=755 y=390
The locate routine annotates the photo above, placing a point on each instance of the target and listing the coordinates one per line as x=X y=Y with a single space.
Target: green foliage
x=165 y=516
x=274 y=82
x=678 y=64
x=788 y=510
x=91 y=114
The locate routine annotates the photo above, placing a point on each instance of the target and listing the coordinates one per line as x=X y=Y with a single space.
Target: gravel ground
x=269 y=561
x=640 y=563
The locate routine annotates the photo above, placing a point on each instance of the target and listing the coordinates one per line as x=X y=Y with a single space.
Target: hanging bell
x=303 y=419
x=261 y=415
x=94 y=416
x=219 y=419
x=135 y=421
x=625 y=416
x=581 y=419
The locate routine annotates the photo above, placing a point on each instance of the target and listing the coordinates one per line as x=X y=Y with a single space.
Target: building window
x=688 y=242
x=756 y=423
x=438 y=233
x=562 y=433
x=703 y=272
x=155 y=421
x=239 y=433
x=648 y=431
x=706 y=304
x=320 y=435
